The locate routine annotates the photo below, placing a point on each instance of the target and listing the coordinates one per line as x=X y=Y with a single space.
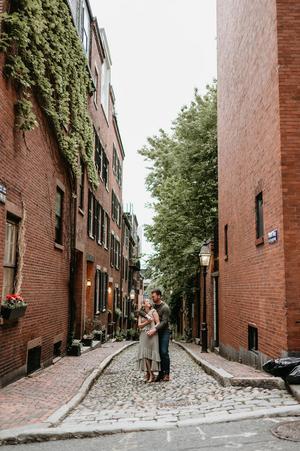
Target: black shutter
x=89 y=223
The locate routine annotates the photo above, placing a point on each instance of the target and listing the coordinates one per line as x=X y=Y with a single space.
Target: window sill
x=259 y=241
x=60 y=247
x=81 y=211
x=91 y=237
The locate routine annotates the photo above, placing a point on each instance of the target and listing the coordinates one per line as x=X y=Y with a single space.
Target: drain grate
x=288 y=431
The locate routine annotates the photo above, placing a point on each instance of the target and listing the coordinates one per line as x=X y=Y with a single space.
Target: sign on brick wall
x=2 y=194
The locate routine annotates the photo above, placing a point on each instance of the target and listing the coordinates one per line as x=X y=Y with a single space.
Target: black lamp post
x=204 y=257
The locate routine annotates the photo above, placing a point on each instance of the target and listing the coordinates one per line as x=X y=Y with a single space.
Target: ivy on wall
x=44 y=56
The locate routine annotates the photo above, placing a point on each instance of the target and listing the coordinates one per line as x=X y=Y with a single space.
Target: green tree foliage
x=183 y=182
x=44 y=57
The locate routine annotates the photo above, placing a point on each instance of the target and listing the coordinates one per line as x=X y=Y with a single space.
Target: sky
x=161 y=51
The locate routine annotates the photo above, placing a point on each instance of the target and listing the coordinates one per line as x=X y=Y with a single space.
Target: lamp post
x=204 y=258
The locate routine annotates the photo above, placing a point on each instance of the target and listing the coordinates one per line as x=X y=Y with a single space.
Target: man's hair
x=158 y=292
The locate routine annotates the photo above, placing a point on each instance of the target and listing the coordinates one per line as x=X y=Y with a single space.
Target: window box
x=13 y=313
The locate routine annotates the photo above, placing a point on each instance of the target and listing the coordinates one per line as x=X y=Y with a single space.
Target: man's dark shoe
x=159 y=378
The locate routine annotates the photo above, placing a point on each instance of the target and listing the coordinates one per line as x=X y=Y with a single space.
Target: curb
x=54 y=419
x=226 y=379
x=42 y=434
x=295 y=390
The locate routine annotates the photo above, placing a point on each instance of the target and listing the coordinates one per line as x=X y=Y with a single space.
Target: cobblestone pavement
x=33 y=399
x=121 y=395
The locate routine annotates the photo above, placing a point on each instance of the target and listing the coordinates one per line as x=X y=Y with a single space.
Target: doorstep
x=231 y=373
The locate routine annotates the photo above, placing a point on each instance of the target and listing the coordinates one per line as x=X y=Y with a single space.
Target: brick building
x=61 y=246
x=259 y=185
x=34 y=241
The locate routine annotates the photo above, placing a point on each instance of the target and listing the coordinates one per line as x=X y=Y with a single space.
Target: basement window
x=252 y=338
x=57 y=349
x=34 y=359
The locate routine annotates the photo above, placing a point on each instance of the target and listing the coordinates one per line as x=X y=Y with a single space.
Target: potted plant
x=13 y=307
x=75 y=348
x=97 y=335
x=87 y=340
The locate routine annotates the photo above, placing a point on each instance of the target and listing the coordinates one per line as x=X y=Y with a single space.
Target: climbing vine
x=44 y=58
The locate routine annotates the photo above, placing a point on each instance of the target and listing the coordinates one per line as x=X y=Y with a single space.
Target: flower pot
x=75 y=350
x=87 y=341
x=98 y=336
x=12 y=313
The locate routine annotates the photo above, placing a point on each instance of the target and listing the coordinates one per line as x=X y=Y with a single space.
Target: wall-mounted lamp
x=109 y=290
x=88 y=283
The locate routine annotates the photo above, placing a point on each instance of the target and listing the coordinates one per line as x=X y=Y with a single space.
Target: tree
x=183 y=183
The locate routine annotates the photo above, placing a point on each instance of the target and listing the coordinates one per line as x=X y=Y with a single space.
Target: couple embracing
x=153 y=351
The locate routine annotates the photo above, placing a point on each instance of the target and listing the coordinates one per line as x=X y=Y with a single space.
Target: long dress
x=148 y=348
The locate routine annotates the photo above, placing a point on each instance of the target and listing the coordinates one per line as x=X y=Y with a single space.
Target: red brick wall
x=30 y=167
x=252 y=281
x=105 y=129
x=288 y=26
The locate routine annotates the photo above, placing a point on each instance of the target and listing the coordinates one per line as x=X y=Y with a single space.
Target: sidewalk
x=231 y=373
x=32 y=400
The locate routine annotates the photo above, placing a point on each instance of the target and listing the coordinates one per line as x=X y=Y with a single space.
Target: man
x=162 y=329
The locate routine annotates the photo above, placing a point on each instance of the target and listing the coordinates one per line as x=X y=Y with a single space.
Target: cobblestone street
x=121 y=395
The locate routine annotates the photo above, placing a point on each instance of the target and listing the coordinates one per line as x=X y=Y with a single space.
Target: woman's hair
x=147 y=300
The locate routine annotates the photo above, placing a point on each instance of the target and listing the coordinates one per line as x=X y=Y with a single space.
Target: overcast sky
x=161 y=50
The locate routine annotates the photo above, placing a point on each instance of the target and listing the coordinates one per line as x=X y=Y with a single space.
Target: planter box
x=12 y=313
x=87 y=341
x=98 y=336
x=75 y=350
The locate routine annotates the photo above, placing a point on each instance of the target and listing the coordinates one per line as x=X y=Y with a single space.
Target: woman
x=148 y=350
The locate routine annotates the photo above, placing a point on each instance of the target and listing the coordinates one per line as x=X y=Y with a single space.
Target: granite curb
x=54 y=419
x=40 y=433
x=226 y=379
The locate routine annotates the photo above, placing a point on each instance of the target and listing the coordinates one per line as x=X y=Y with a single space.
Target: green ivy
x=44 y=56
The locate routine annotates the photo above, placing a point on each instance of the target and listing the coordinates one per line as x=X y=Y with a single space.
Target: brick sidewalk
x=237 y=370
x=33 y=399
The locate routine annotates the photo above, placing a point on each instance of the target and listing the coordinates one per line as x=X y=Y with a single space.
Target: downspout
x=73 y=263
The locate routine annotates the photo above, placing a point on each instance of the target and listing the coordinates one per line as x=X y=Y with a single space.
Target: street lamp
x=204 y=257
x=132 y=294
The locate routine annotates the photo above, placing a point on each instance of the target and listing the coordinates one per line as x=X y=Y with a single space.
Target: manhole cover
x=288 y=431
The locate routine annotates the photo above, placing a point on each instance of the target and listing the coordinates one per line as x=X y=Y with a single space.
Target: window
x=252 y=338
x=105 y=165
x=99 y=224
x=112 y=250
x=59 y=216
x=105 y=83
x=117 y=168
x=126 y=237
x=96 y=220
x=96 y=83
x=99 y=153
x=116 y=211
x=85 y=28
x=10 y=256
x=90 y=215
x=106 y=230
x=117 y=253
x=117 y=299
x=97 y=292
x=81 y=185
x=259 y=216
x=126 y=269
x=82 y=22
x=101 y=286
x=226 y=241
